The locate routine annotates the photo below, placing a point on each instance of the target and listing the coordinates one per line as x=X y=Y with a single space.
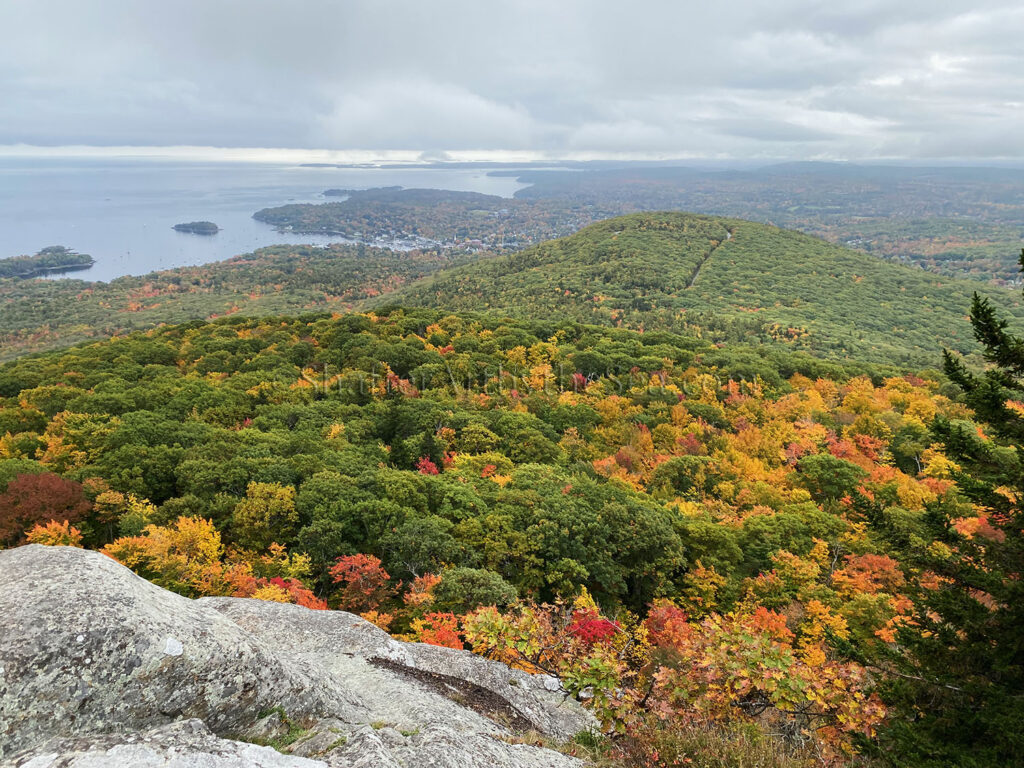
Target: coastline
x=40 y=271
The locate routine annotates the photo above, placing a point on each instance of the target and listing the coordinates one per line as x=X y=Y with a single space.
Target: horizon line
x=414 y=157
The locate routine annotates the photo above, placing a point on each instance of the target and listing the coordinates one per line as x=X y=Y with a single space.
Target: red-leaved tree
x=36 y=500
x=363 y=580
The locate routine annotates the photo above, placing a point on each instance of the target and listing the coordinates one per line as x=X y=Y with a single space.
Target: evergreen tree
x=962 y=694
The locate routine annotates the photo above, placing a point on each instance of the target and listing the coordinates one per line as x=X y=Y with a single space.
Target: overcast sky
x=849 y=79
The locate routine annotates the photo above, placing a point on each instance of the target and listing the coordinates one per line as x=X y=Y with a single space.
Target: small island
x=55 y=258
x=198 y=228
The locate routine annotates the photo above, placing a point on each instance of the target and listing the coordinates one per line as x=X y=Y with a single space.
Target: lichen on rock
x=100 y=667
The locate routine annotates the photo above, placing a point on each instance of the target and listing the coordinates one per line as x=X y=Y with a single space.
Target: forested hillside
x=727 y=279
x=689 y=537
x=964 y=222
x=42 y=314
x=723 y=279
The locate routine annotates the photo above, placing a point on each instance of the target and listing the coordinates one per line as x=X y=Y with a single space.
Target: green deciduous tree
x=266 y=515
x=464 y=589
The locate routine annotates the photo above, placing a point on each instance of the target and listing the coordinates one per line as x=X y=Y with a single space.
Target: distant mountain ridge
x=684 y=272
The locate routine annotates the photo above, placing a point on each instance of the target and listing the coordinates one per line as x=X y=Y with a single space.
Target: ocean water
x=121 y=212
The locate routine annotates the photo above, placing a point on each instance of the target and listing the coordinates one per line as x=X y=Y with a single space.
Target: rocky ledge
x=98 y=667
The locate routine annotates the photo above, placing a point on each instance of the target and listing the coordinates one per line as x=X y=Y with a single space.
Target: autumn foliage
x=363 y=582
x=687 y=541
x=754 y=665
x=38 y=499
x=188 y=557
x=438 y=629
x=55 y=534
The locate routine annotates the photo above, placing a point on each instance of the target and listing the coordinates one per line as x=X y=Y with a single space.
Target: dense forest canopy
x=43 y=314
x=610 y=505
x=727 y=278
x=681 y=463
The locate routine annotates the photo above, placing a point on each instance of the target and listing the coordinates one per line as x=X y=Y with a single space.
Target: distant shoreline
x=54 y=258
x=37 y=271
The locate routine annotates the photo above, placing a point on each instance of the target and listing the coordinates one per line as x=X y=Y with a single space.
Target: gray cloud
x=790 y=78
x=770 y=130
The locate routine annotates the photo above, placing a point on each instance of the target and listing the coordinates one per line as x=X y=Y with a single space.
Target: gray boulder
x=182 y=744
x=97 y=664
x=87 y=645
x=316 y=637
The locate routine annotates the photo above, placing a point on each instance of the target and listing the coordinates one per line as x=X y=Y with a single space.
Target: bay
x=122 y=212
